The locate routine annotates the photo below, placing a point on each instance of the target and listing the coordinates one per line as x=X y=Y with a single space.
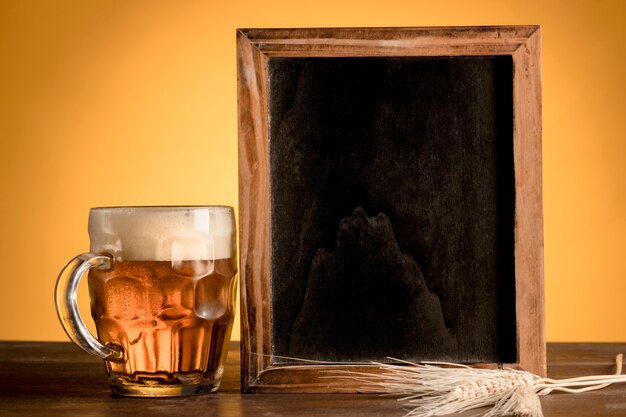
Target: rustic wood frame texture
x=255 y=47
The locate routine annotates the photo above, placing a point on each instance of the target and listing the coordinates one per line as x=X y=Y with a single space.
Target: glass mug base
x=165 y=385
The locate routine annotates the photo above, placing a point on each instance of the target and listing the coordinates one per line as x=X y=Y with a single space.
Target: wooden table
x=58 y=379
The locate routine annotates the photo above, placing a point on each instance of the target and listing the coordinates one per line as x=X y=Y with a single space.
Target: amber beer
x=174 y=323
x=162 y=284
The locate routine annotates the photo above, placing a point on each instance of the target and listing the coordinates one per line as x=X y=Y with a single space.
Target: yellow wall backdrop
x=134 y=103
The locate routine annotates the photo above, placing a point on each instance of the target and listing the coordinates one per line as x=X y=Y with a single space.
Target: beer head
x=163 y=233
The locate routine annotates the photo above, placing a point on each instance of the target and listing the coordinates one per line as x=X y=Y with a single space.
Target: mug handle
x=65 y=300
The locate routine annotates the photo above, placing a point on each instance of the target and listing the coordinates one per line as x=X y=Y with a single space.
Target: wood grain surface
x=58 y=379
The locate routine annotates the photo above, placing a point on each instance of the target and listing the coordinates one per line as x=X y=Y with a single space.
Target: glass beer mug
x=162 y=286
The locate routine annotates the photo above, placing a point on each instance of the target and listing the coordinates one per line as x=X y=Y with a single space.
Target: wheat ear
x=435 y=389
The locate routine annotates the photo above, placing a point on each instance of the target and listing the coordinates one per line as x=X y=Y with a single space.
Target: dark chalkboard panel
x=392 y=208
x=390 y=201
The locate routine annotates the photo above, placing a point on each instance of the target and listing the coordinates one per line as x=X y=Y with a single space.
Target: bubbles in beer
x=124 y=298
x=172 y=323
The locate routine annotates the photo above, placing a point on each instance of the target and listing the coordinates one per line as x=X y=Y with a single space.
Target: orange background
x=134 y=103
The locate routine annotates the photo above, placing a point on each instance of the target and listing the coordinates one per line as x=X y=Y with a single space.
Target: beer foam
x=163 y=233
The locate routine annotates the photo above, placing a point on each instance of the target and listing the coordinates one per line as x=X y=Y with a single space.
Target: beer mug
x=162 y=286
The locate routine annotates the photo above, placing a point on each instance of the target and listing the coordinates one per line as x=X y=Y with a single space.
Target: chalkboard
x=388 y=200
x=392 y=208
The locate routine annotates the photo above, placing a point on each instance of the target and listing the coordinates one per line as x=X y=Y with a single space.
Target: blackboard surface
x=392 y=208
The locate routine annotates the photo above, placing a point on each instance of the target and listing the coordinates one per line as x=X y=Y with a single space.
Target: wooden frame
x=255 y=47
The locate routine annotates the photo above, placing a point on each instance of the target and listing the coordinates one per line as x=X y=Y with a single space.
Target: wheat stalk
x=435 y=389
